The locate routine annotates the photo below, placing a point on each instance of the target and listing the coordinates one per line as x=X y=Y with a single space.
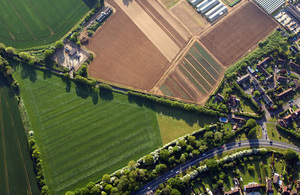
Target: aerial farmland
x=150 y=68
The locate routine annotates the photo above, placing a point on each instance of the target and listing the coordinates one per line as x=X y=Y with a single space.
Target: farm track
x=238 y=32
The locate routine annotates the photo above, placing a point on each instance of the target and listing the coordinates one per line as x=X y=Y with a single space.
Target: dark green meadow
x=83 y=134
x=16 y=167
x=31 y=23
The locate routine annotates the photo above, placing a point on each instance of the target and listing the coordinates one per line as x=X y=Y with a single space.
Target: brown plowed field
x=124 y=55
x=164 y=25
x=237 y=33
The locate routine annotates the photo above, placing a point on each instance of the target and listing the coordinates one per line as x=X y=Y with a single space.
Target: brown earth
x=124 y=54
x=237 y=33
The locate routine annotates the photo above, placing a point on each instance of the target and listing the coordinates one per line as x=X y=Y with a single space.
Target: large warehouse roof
x=294 y=12
x=270 y=5
x=213 y=10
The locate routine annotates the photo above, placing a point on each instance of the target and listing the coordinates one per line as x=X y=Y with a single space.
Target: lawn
x=83 y=134
x=176 y=123
x=16 y=167
x=34 y=23
x=275 y=135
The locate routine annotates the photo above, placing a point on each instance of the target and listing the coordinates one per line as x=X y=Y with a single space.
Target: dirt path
x=150 y=28
x=4 y=149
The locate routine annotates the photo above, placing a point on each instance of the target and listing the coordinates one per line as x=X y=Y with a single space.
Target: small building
x=294 y=65
x=260 y=89
x=243 y=79
x=285 y=93
x=294 y=49
x=218 y=14
x=276 y=177
x=210 y=4
x=219 y=97
x=101 y=17
x=235 y=191
x=262 y=70
x=250 y=70
x=238 y=120
x=213 y=10
x=255 y=82
x=282 y=79
x=283 y=124
x=252 y=187
x=267 y=100
x=294 y=12
x=73 y=51
x=232 y=101
x=107 y=11
x=269 y=188
x=195 y=2
x=281 y=62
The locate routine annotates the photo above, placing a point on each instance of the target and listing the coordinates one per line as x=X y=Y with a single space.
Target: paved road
x=209 y=154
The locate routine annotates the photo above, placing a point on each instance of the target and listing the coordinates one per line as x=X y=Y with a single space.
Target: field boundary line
x=207 y=61
x=160 y=24
x=37 y=11
x=20 y=17
x=202 y=67
x=196 y=79
x=4 y=150
x=182 y=87
x=15 y=133
x=197 y=71
x=191 y=84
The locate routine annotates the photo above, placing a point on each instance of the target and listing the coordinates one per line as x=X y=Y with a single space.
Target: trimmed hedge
x=234 y=3
x=290 y=132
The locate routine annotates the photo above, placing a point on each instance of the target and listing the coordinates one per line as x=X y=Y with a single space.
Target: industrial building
x=209 y=5
x=213 y=10
x=200 y=5
x=217 y=14
x=270 y=6
x=195 y=2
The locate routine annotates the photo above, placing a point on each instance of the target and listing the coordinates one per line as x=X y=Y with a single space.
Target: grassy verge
x=275 y=135
x=176 y=123
x=83 y=134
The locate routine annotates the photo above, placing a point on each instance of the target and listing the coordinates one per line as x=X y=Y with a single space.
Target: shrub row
x=177 y=104
x=289 y=132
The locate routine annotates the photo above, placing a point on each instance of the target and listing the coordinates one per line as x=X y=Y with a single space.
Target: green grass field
x=16 y=167
x=82 y=136
x=176 y=123
x=31 y=23
x=275 y=135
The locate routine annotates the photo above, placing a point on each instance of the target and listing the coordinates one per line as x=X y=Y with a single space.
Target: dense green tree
x=149 y=159
x=59 y=44
x=212 y=165
x=176 y=183
x=252 y=133
x=160 y=168
x=106 y=178
x=256 y=93
x=132 y=164
x=48 y=53
x=251 y=123
x=2 y=46
x=10 y=50
x=291 y=155
x=164 y=155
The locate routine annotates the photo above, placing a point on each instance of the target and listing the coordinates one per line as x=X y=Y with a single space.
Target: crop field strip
x=16 y=170
x=104 y=139
x=197 y=74
x=33 y=22
x=237 y=33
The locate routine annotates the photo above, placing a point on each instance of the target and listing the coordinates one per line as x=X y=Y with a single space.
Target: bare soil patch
x=189 y=17
x=237 y=33
x=124 y=54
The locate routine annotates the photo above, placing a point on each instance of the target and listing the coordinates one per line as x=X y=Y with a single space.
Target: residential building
x=219 y=97
x=276 y=178
x=294 y=65
x=262 y=69
x=235 y=191
x=291 y=9
x=238 y=120
x=267 y=100
x=243 y=79
x=269 y=188
x=294 y=49
x=250 y=70
x=252 y=187
x=233 y=101
x=255 y=82
x=285 y=93
x=282 y=79
x=281 y=62
x=296 y=84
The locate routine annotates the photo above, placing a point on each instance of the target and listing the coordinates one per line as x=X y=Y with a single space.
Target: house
x=267 y=100
x=285 y=93
x=238 y=120
x=262 y=70
x=255 y=82
x=294 y=49
x=101 y=17
x=288 y=119
x=107 y=10
x=276 y=175
x=282 y=79
x=235 y=191
x=233 y=101
x=243 y=79
x=294 y=65
x=283 y=124
x=219 y=97
x=252 y=187
x=250 y=70
x=260 y=89
x=269 y=188
x=236 y=182
x=281 y=62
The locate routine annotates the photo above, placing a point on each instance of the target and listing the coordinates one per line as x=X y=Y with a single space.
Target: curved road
x=152 y=185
